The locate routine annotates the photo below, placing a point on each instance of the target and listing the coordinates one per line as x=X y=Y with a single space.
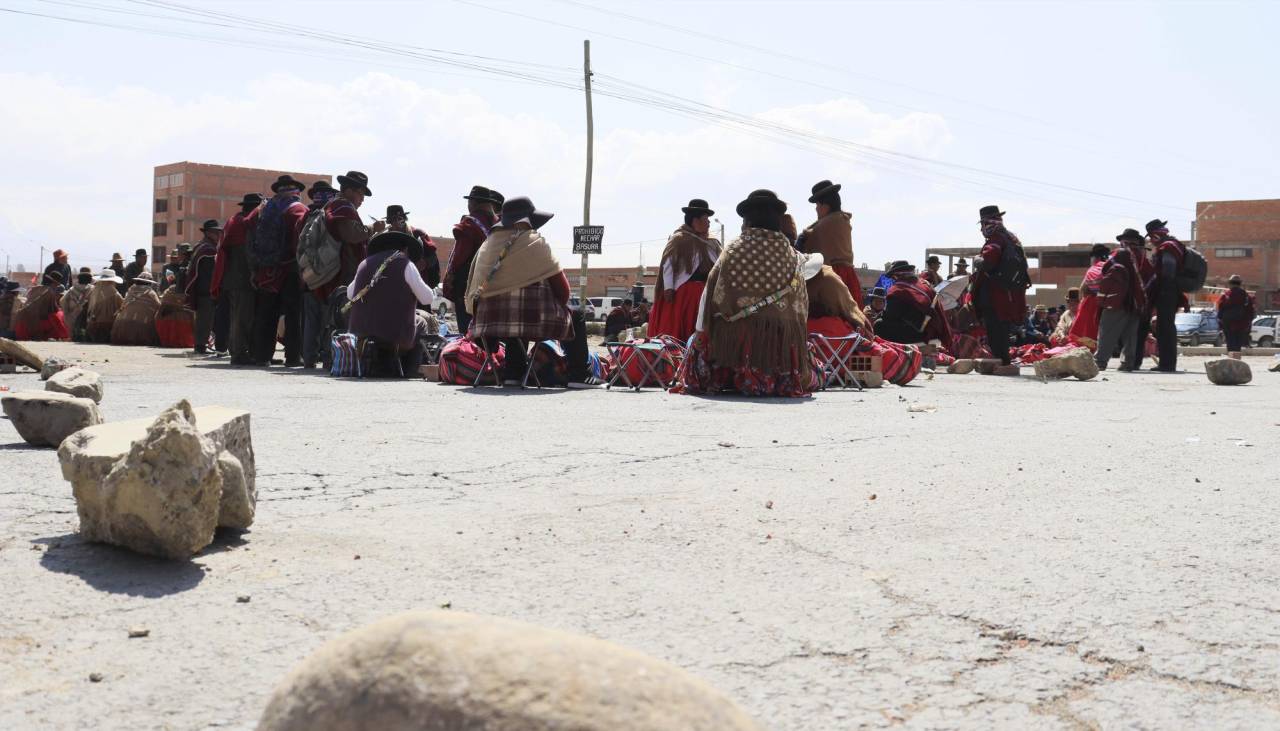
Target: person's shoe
x=590 y=383
x=240 y=360
x=293 y=363
x=308 y=366
x=1125 y=369
x=274 y=361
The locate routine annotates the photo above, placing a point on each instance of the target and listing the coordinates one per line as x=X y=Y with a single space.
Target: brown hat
x=1235 y=279
x=355 y=179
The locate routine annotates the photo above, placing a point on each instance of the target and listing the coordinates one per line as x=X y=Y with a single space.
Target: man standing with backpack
x=999 y=283
x=273 y=249
x=315 y=328
x=1165 y=295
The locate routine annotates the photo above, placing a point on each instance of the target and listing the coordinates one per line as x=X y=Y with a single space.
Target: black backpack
x=1011 y=273
x=1193 y=272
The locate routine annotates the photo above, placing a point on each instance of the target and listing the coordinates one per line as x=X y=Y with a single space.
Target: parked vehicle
x=604 y=305
x=590 y=314
x=1265 y=333
x=1195 y=328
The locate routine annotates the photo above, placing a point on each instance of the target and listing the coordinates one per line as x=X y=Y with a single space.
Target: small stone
x=45 y=419
x=95 y=677
x=76 y=382
x=1141 y=648
x=1228 y=372
x=447 y=605
x=726 y=444
x=872 y=497
x=357 y=558
x=242 y=599
x=768 y=505
x=457 y=670
x=961 y=366
x=136 y=632
x=52 y=366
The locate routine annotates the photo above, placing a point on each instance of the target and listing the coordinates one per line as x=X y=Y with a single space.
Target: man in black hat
x=930 y=274
x=875 y=305
x=275 y=279
x=429 y=263
x=233 y=282
x=136 y=267
x=912 y=313
x=962 y=268
x=315 y=325
x=1236 y=310
x=469 y=233
x=1163 y=294
x=1000 y=283
x=199 y=282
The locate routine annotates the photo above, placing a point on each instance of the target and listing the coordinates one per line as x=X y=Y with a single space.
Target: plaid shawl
x=758 y=304
x=509 y=260
x=528 y=313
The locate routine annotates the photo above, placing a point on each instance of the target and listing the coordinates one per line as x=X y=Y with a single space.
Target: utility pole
x=586 y=197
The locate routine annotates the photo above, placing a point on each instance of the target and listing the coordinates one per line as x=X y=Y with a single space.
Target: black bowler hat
x=877 y=293
x=355 y=179
x=251 y=200
x=320 y=186
x=396 y=210
x=1099 y=251
x=762 y=199
x=1129 y=234
x=933 y=259
x=140 y=252
x=481 y=193
x=522 y=209
x=962 y=263
x=990 y=212
x=211 y=225
x=1235 y=279
x=287 y=181
x=901 y=266
x=823 y=187
x=1156 y=223
x=699 y=207
x=498 y=198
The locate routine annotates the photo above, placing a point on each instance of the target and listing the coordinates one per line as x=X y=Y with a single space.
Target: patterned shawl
x=686 y=253
x=510 y=259
x=829 y=296
x=758 y=304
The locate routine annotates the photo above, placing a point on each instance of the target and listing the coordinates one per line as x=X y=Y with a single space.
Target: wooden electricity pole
x=586 y=197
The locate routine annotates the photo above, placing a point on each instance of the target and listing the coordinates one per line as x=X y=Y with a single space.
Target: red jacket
x=234 y=233
x=1236 y=297
x=1008 y=305
x=468 y=235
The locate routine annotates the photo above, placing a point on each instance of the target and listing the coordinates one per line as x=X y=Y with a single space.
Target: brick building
x=186 y=194
x=1242 y=237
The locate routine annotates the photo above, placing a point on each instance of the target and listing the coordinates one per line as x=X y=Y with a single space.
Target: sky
x=1077 y=118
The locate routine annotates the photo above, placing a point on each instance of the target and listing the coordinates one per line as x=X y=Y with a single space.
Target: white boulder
x=46 y=418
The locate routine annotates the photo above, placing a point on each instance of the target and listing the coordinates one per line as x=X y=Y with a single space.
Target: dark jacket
x=385 y=313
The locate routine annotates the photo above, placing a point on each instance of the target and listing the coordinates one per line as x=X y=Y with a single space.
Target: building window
x=162 y=182
x=1238 y=253
x=175 y=180
x=179 y=205
x=162 y=205
x=179 y=226
x=159 y=229
x=159 y=255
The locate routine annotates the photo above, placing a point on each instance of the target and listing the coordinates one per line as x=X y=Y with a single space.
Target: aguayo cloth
x=1085 y=328
x=509 y=260
x=686 y=256
x=532 y=312
x=757 y=305
x=899 y=364
x=1120 y=286
x=912 y=311
x=136 y=322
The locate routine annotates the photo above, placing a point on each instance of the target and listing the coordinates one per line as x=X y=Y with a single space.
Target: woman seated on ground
x=518 y=293
x=75 y=305
x=104 y=304
x=752 y=336
x=384 y=296
x=912 y=313
x=40 y=317
x=135 y=324
x=833 y=313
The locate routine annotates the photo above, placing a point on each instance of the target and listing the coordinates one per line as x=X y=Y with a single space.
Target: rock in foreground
x=1078 y=362
x=1228 y=372
x=451 y=670
x=45 y=418
x=76 y=382
x=162 y=487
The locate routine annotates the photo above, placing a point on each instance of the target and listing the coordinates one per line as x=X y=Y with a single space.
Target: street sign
x=587 y=239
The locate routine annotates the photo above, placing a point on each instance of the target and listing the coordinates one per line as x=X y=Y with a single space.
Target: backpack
x=268 y=242
x=319 y=253
x=1011 y=273
x=1192 y=273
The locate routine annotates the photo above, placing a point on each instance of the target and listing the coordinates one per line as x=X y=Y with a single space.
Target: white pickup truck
x=1265 y=333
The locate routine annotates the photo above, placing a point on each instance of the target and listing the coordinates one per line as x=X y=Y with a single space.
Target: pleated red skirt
x=678 y=317
x=849 y=276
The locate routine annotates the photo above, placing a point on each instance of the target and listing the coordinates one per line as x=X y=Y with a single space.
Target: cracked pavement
x=1037 y=555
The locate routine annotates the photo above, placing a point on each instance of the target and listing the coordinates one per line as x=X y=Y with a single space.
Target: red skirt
x=1085 y=328
x=849 y=276
x=678 y=317
x=53 y=327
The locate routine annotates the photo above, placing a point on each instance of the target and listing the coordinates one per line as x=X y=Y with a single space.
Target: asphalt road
x=1030 y=555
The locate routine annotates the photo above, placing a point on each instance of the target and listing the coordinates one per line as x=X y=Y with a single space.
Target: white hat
x=810 y=264
x=109 y=275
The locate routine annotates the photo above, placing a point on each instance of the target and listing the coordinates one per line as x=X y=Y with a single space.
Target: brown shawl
x=136 y=322
x=831 y=236
x=41 y=302
x=687 y=253
x=528 y=260
x=829 y=296
x=760 y=266
x=104 y=303
x=73 y=303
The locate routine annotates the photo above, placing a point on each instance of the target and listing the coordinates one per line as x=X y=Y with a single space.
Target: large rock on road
x=76 y=382
x=462 y=672
x=45 y=419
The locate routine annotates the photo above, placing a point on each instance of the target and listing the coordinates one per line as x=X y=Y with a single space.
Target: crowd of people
x=745 y=315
